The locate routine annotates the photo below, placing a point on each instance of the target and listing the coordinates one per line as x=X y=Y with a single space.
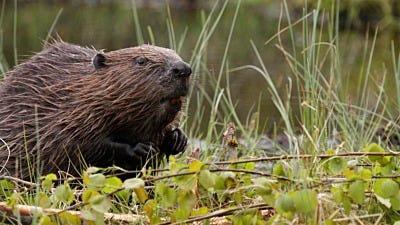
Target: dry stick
x=379 y=215
x=17 y=180
x=218 y=170
x=224 y=212
x=26 y=210
x=307 y=156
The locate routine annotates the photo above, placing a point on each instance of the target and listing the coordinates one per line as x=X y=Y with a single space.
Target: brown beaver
x=69 y=105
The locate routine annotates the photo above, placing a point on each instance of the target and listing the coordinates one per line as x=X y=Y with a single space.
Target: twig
x=251 y=172
x=17 y=180
x=27 y=210
x=306 y=156
x=218 y=170
x=359 y=217
x=225 y=212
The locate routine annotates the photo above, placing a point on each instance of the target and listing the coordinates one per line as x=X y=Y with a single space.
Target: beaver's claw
x=174 y=142
x=132 y=156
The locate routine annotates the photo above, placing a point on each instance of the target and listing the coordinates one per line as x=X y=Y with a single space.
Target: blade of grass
x=218 y=89
x=15 y=34
x=138 y=28
x=3 y=63
x=53 y=25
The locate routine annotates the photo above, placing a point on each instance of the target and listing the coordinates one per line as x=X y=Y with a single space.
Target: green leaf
x=70 y=219
x=279 y=170
x=186 y=182
x=386 y=170
x=238 y=197
x=6 y=188
x=200 y=211
x=329 y=222
x=207 y=179
x=219 y=183
x=366 y=174
x=124 y=195
x=195 y=166
x=395 y=201
x=45 y=220
x=284 y=204
x=64 y=193
x=390 y=188
x=175 y=167
x=337 y=165
x=87 y=195
x=89 y=214
x=338 y=194
x=47 y=183
x=305 y=201
x=92 y=169
x=386 y=188
x=229 y=179
x=43 y=200
x=383 y=160
x=166 y=195
x=187 y=201
x=94 y=181
x=350 y=174
x=180 y=215
x=265 y=190
x=346 y=204
x=149 y=208
x=112 y=184
x=141 y=194
x=100 y=203
x=133 y=183
x=250 y=166
x=330 y=152
x=356 y=191
x=384 y=201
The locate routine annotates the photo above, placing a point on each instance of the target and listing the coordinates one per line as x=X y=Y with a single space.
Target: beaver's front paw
x=174 y=142
x=131 y=156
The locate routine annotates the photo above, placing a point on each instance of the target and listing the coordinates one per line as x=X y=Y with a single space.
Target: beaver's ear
x=99 y=61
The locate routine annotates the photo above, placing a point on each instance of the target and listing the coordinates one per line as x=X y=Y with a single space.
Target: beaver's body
x=68 y=105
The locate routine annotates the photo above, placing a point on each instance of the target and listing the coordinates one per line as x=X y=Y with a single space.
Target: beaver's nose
x=181 y=69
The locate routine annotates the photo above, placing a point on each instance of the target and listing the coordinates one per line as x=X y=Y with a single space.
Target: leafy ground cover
x=330 y=169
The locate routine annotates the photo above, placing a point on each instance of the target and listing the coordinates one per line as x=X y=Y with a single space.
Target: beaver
x=69 y=106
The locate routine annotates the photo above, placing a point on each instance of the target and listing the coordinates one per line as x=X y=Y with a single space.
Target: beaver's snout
x=180 y=69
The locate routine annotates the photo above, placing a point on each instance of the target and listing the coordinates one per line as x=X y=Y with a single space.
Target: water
x=110 y=26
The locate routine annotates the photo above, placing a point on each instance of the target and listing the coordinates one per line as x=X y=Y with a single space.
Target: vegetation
x=332 y=169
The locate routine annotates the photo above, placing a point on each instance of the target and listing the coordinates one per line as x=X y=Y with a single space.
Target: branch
x=27 y=210
x=306 y=156
x=218 y=217
x=17 y=180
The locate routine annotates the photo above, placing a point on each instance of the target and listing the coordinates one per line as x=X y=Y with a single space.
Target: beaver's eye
x=141 y=60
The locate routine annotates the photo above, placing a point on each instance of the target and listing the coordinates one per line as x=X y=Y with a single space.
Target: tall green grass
x=318 y=107
x=332 y=111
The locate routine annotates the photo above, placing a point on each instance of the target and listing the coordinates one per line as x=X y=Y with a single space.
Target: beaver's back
x=67 y=100
x=32 y=95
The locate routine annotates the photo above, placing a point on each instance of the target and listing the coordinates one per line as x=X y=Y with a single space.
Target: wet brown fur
x=59 y=98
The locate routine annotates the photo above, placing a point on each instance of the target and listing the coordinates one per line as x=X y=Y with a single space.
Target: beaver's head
x=148 y=86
